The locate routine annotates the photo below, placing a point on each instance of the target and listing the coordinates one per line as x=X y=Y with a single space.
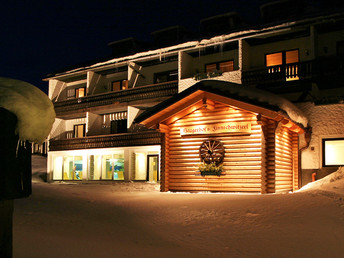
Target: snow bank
x=34 y=110
x=334 y=182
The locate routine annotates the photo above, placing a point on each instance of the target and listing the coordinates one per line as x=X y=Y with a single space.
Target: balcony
x=327 y=72
x=159 y=90
x=107 y=141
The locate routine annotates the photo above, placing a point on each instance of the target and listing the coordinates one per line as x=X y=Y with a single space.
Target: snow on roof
x=236 y=91
x=202 y=43
x=333 y=182
x=285 y=105
x=34 y=110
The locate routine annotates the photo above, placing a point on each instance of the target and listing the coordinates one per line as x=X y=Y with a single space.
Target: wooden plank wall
x=284 y=160
x=295 y=147
x=268 y=153
x=243 y=158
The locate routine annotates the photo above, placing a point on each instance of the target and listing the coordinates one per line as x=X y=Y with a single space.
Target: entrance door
x=153 y=168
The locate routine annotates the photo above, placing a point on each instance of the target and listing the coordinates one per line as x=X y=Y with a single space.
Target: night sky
x=41 y=37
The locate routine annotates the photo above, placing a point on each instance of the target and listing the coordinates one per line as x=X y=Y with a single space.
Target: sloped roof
x=251 y=99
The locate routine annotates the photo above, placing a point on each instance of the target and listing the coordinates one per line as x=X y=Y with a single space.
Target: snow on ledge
x=34 y=110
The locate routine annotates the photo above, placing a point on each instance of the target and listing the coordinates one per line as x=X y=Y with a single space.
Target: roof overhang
x=204 y=94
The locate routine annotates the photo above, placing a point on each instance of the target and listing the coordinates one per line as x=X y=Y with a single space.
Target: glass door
x=153 y=168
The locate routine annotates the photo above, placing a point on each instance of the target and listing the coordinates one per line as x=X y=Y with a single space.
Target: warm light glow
x=334 y=152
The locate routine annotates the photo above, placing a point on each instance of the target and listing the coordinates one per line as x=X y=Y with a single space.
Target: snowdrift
x=334 y=182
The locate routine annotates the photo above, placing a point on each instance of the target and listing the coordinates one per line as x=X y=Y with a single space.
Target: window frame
x=76 y=91
x=283 y=56
x=323 y=142
x=74 y=130
x=169 y=74
x=218 y=65
x=121 y=84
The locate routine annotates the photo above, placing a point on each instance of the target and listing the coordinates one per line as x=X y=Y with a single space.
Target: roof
x=251 y=99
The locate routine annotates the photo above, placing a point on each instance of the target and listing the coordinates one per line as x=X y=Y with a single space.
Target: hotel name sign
x=230 y=127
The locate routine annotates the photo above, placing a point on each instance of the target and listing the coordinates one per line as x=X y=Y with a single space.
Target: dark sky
x=40 y=37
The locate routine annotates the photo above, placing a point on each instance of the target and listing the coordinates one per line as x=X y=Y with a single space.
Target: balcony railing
x=107 y=141
x=140 y=93
x=311 y=70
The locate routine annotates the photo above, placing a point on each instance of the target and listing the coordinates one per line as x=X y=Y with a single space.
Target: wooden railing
x=107 y=141
x=296 y=71
x=140 y=93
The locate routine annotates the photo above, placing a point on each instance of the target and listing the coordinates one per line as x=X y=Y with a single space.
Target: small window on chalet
x=166 y=76
x=225 y=66
x=281 y=58
x=80 y=92
x=333 y=152
x=79 y=130
x=119 y=85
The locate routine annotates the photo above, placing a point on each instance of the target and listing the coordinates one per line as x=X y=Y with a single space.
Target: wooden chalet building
x=249 y=109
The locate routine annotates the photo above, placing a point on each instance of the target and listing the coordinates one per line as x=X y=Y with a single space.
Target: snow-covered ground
x=135 y=220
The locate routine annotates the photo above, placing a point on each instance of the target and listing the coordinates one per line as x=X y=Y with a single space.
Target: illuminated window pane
x=210 y=68
x=124 y=85
x=77 y=169
x=79 y=131
x=80 y=92
x=274 y=59
x=292 y=56
x=226 y=66
x=333 y=150
x=113 y=167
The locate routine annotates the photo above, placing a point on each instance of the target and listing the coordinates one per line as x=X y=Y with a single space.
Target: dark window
x=225 y=66
x=119 y=126
x=79 y=131
x=166 y=76
x=333 y=152
x=340 y=48
x=119 y=85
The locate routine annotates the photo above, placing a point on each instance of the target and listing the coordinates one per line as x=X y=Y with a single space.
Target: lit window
x=72 y=167
x=333 y=152
x=225 y=66
x=119 y=85
x=283 y=57
x=79 y=131
x=80 y=92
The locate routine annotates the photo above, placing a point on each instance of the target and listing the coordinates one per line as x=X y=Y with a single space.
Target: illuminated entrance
x=153 y=168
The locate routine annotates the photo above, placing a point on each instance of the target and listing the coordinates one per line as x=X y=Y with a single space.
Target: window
x=70 y=93
x=79 y=131
x=80 y=92
x=284 y=58
x=117 y=122
x=225 y=66
x=72 y=167
x=119 y=85
x=112 y=167
x=281 y=58
x=333 y=152
x=166 y=76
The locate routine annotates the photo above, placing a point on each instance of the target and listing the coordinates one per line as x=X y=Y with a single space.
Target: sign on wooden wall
x=230 y=127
